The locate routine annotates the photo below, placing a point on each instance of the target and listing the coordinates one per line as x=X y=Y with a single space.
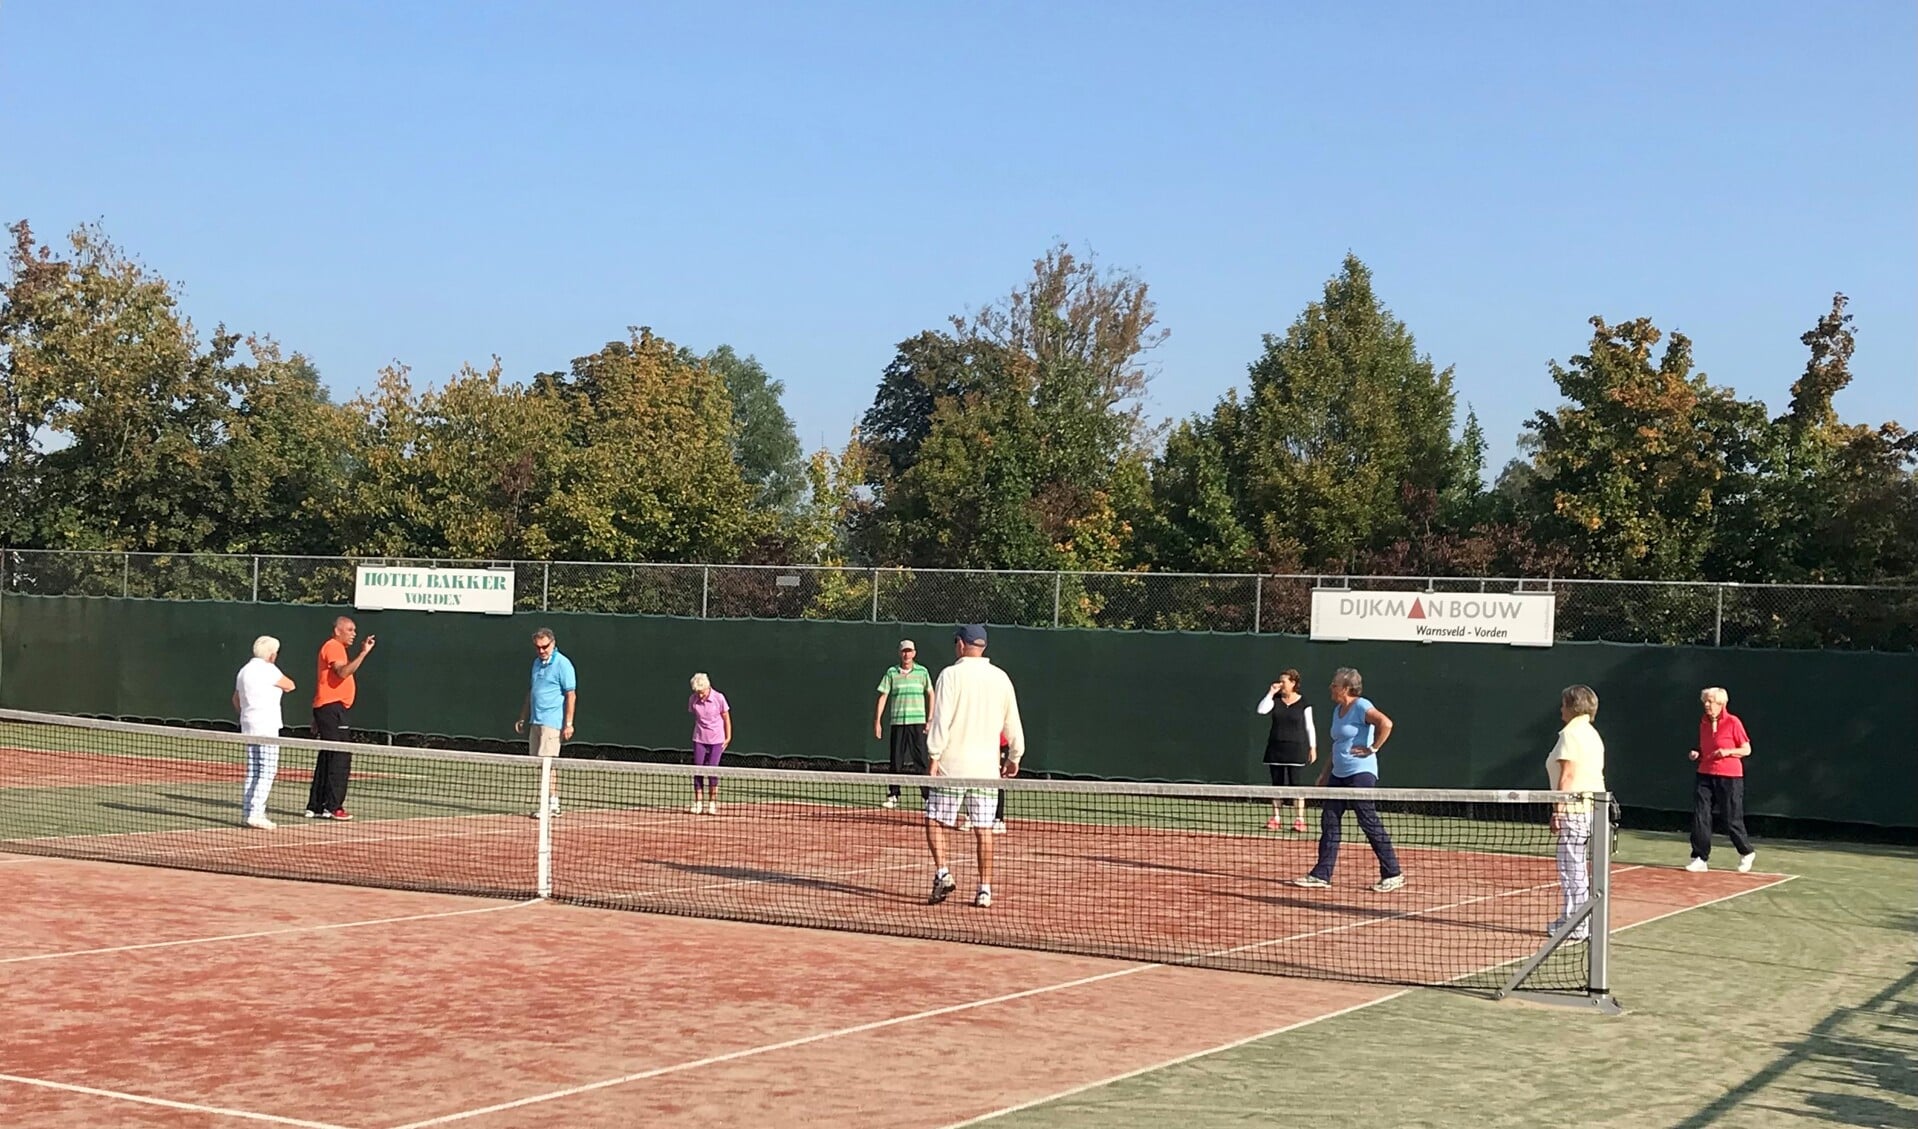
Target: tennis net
x=1174 y=874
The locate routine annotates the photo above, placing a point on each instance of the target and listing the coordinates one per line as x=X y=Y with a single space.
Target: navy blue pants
x=1369 y=822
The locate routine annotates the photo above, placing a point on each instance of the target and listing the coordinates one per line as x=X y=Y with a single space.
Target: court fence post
x=1057 y=579
x=1258 y=601
x=543 y=876
x=126 y=568
x=256 y=578
x=705 y=587
x=545 y=584
x=875 y=595
x=1718 y=622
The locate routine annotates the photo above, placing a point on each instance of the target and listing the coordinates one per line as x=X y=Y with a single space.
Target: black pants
x=1724 y=795
x=909 y=755
x=1334 y=814
x=330 y=769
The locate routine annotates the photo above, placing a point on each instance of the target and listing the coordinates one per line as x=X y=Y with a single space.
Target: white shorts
x=943 y=805
x=542 y=740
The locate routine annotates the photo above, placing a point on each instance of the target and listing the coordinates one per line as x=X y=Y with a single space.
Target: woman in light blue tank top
x=1359 y=731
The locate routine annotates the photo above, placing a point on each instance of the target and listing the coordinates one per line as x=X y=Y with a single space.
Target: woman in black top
x=1292 y=744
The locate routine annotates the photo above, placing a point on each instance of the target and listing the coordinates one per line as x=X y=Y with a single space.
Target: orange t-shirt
x=330 y=687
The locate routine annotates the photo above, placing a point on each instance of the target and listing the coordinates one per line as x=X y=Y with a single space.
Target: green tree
x=1630 y=469
x=1016 y=440
x=764 y=442
x=286 y=456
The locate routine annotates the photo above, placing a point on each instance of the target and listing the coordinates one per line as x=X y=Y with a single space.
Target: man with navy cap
x=976 y=706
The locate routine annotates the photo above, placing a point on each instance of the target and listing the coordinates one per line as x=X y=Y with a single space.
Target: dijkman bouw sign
x=411 y=588
x=1521 y=619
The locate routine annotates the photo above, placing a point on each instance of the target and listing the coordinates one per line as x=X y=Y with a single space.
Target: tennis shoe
x=942 y=888
x=712 y=809
x=260 y=822
x=696 y=808
x=983 y=899
x=1273 y=824
x=998 y=827
x=1312 y=882
x=890 y=803
x=312 y=814
x=1299 y=826
x=1745 y=862
x=1696 y=866
x=1387 y=885
x=341 y=813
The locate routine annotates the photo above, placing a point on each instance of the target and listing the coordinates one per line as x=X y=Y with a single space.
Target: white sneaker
x=1387 y=885
x=261 y=822
x=1745 y=862
x=311 y=814
x=1312 y=882
x=983 y=899
x=553 y=803
x=998 y=827
x=696 y=808
x=712 y=809
x=891 y=802
x=1696 y=866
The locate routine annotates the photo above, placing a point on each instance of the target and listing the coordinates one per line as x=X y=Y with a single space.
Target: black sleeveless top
x=1288 y=741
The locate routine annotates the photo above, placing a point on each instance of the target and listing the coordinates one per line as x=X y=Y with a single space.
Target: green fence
x=1833 y=731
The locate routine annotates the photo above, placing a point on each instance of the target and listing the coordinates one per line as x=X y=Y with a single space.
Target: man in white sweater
x=975 y=706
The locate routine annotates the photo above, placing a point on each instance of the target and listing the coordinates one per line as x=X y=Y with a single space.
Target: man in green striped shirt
x=905 y=703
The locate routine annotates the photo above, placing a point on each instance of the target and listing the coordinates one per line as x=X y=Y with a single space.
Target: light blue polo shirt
x=1350 y=728
x=553 y=679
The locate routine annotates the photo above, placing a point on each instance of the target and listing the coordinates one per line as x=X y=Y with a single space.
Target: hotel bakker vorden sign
x=488 y=591
x=1513 y=619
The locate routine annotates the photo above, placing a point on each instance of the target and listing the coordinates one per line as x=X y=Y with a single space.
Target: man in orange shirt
x=326 y=799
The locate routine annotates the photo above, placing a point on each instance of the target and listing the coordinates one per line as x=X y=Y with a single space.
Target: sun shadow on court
x=1852 y=1050
x=1380 y=913
x=1141 y=864
x=171 y=813
x=756 y=876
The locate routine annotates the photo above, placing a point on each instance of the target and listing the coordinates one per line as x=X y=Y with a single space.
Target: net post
x=1598 y=953
x=543 y=878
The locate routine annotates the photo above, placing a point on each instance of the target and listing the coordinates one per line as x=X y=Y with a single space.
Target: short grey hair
x=1347 y=677
x=545 y=633
x=266 y=647
x=1714 y=694
x=701 y=682
x=1579 y=700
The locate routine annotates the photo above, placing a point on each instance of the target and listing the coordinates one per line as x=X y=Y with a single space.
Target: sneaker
x=1273 y=824
x=1387 y=885
x=261 y=822
x=983 y=899
x=696 y=808
x=1299 y=826
x=998 y=827
x=942 y=889
x=1696 y=866
x=1745 y=862
x=340 y=813
x=890 y=803
x=1312 y=882
x=712 y=809
x=312 y=814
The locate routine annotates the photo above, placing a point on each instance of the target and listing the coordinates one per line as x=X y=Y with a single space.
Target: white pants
x=262 y=765
x=1574 y=874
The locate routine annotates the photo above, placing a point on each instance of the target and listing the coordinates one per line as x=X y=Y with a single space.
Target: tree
x=1016 y=440
x=1630 y=468
x=286 y=456
x=764 y=442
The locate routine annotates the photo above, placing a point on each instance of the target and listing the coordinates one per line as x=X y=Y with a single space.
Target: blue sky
x=813 y=182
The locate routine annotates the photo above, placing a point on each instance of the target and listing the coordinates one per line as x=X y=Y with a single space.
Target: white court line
x=1235 y=1044
x=1180 y=1061
x=822 y=1036
x=165 y=1104
x=268 y=933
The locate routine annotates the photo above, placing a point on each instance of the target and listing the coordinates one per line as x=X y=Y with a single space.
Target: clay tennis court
x=143 y=996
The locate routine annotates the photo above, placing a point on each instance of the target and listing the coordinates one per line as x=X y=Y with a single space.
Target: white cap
x=907 y=645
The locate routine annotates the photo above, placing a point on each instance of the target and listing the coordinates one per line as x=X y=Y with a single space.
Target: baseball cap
x=971 y=634
x=906 y=645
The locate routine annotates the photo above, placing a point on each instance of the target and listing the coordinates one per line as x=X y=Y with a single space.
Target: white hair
x=701 y=682
x=1714 y=694
x=266 y=647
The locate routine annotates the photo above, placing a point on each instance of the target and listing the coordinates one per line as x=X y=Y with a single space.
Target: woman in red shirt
x=1722 y=748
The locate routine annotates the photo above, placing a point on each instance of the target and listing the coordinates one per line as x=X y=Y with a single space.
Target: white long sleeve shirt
x=975 y=704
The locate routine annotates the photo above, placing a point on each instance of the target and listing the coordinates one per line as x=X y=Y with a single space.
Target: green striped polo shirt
x=906 y=695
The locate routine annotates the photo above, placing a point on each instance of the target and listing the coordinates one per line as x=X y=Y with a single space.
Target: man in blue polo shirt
x=550 y=701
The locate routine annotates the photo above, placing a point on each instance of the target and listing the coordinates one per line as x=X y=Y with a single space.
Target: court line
x=1780 y=880
x=1234 y=1045
x=862 y=1028
x=165 y=1103
x=269 y=933
x=1179 y=1061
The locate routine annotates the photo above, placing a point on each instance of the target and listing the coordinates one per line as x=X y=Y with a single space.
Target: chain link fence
x=1731 y=615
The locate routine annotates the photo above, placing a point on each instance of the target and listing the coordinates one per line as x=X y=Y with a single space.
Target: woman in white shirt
x=256 y=698
x=1576 y=764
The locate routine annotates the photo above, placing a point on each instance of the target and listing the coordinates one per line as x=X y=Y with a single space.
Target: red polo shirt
x=1729 y=733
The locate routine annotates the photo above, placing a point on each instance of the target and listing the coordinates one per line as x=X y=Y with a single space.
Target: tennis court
x=256 y=999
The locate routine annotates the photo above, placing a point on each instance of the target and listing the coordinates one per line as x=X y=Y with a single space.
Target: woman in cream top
x=1576 y=764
